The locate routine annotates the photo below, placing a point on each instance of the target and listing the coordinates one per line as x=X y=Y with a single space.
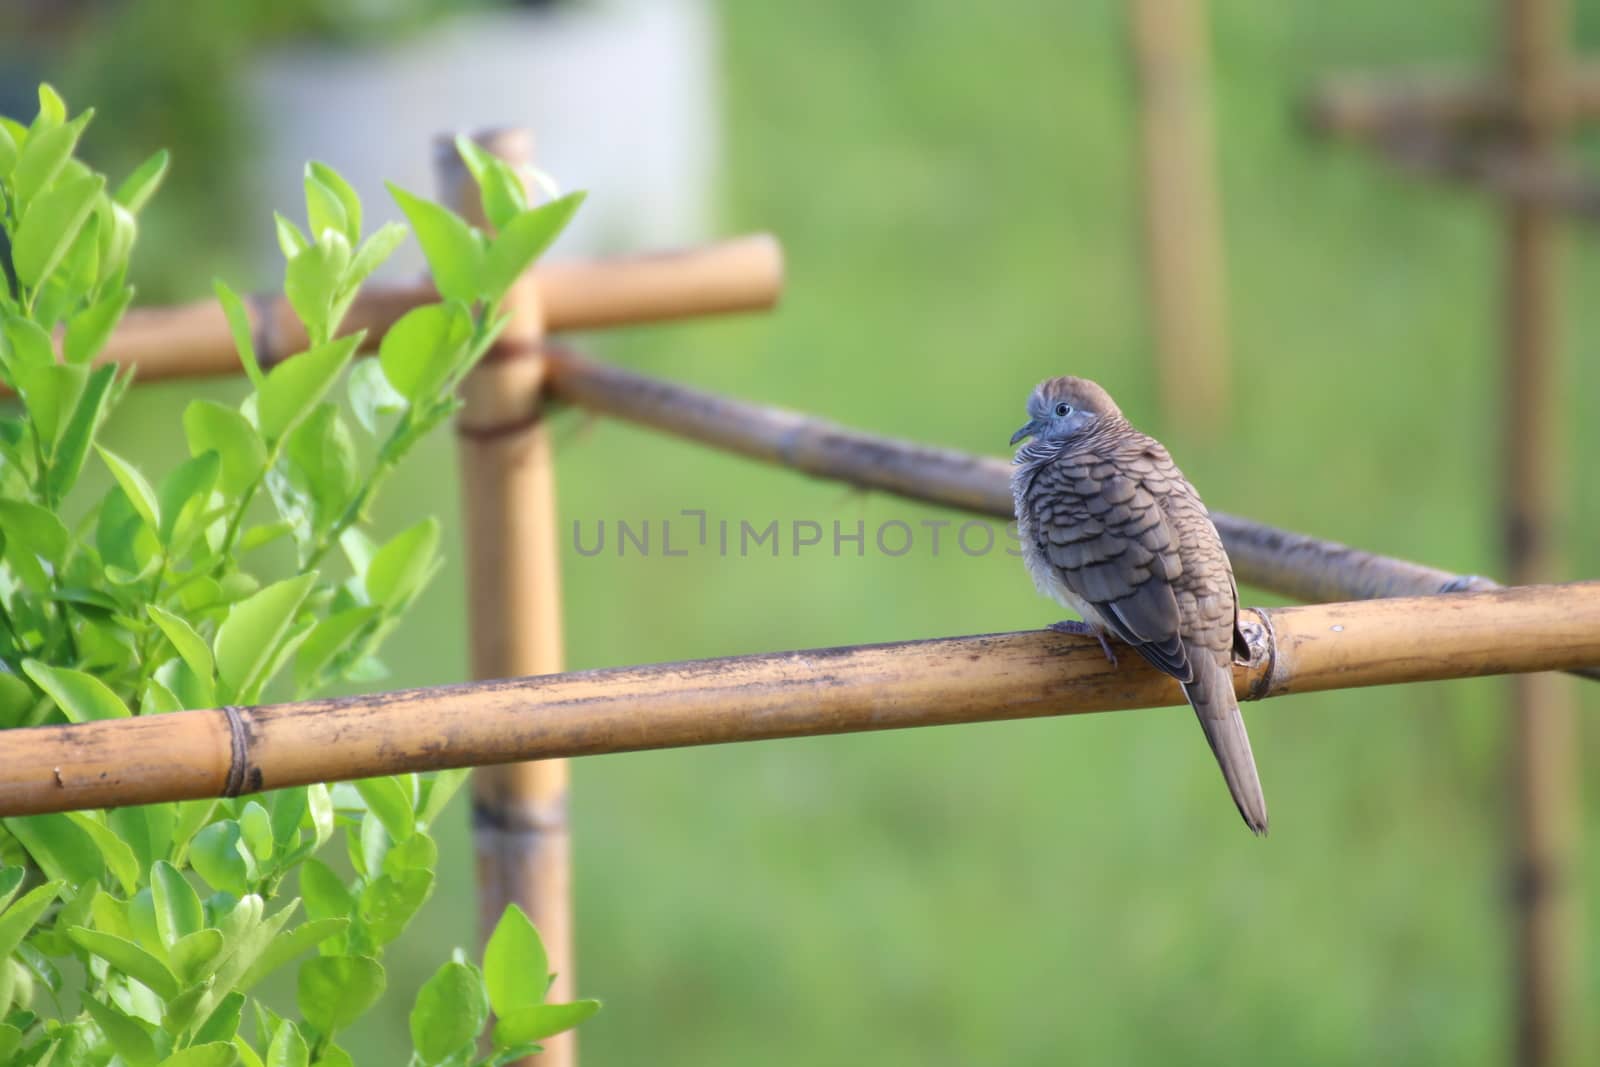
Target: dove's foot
x=1083 y=629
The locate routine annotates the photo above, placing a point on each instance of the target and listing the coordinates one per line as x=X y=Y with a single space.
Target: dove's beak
x=1030 y=430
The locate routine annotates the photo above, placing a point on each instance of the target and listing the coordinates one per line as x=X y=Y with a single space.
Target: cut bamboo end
x=191 y=754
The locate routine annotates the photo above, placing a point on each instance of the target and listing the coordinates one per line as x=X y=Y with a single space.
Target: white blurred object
x=620 y=96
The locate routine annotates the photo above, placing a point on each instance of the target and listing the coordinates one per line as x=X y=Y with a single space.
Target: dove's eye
x=1063 y=410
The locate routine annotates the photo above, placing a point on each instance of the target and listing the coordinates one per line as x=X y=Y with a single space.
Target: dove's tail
x=1211 y=694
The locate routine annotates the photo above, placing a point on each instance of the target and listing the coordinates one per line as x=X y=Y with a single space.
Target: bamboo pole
x=1361 y=106
x=1184 y=266
x=1544 y=830
x=741 y=274
x=1508 y=174
x=519 y=810
x=231 y=751
x=1306 y=568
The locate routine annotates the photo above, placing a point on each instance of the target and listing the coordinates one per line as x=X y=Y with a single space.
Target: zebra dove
x=1112 y=529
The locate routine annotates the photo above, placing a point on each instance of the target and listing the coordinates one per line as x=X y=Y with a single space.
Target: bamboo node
x=263 y=306
x=532 y=819
x=242 y=778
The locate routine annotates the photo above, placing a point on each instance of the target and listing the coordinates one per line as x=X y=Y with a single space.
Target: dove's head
x=1062 y=408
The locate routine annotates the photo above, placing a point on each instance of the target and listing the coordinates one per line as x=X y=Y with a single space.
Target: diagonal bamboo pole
x=1544 y=750
x=519 y=810
x=1302 y=649
x=1306 y=568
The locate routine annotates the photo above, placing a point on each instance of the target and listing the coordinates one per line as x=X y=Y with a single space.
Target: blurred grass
x=954 y=188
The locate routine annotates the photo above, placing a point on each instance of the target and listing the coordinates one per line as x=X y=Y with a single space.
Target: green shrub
x=136 y=935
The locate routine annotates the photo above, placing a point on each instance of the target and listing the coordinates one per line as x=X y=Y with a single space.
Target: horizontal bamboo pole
x=229 y=751
x=1503 y=171
x=1361 y=105
x=741 y=274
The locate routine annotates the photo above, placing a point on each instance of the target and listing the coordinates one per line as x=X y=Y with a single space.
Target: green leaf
x=455 y=251
x=10 y=882
x=117 y=230
x=147 y=829
x=211 y=427
x=33 y=529
x=524 y=239
x=423 y=349
x=373 y=251
x=20 y=917
x=191 y=815
x=330 y=185
x=178 y=911
x=291 y=240
x=256 y=827
x=17 y=702
x=8 y=152
x=215 y=1054
x=81 y=696
x=195 y=955
x=118 y=856
x=127 y=1035
x=88 y=330
x=140 y=493
x=450 y=1010
x=387 y=800
x=283 y=948
x=515 y=967
x=49 y=227
x=43 y=156
x=249 y=638
x=217 y=855
x=312 y=279
x=438 y=788
x=400 y=567
x=288 y=1048
x=52 y=394
x=500 y=190
x=223 y=1022
x=390 y=901
x=324 y=892
x=52 y=109
x=297 y=385
x=289 y=809
x=128 y=958
x=73 y=447
x=323 y=458
x=331 y=637
x=541 y=1020
x=141 y=185
x=185 y=496
x=372 y=398
x=239 y=325
x=190 y=645
x=334 y=991
x=26 y=344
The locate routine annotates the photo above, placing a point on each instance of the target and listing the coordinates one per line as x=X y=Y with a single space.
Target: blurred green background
x=954 y=188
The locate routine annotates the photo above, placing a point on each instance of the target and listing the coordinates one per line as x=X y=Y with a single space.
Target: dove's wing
x=1111 y=544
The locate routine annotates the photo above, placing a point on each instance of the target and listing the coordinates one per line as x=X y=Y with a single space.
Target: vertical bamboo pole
x=1182 y=230
x=1544 y=748
x=514 y=596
